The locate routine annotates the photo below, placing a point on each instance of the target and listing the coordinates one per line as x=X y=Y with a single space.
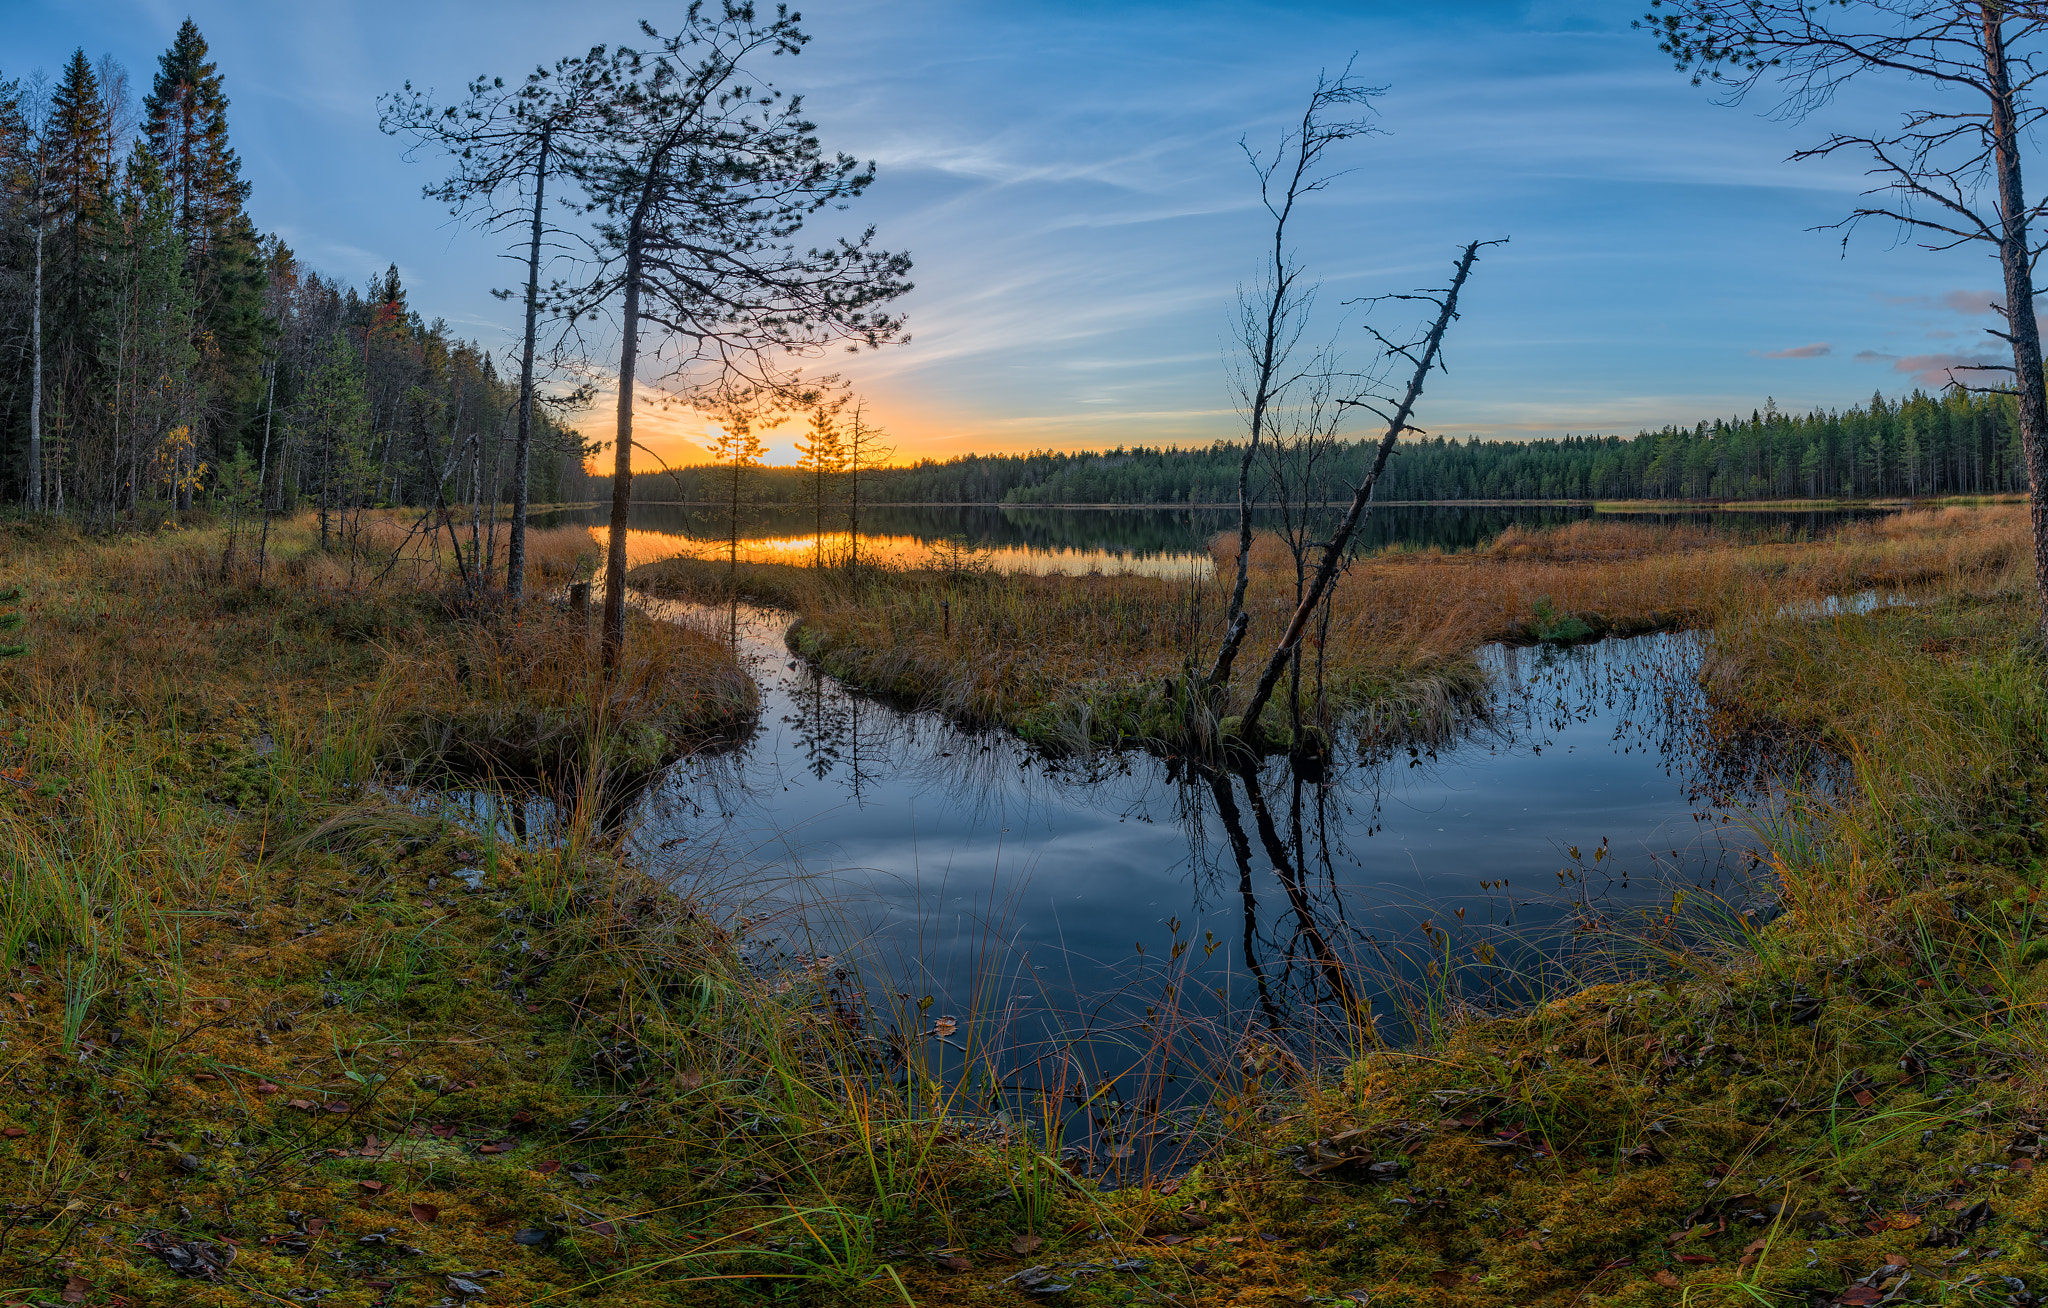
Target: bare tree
x=509 y=140
x=1274 y=313
x=703 y=176
x=864 y=454
x=1950 y=171
x=1424 y=353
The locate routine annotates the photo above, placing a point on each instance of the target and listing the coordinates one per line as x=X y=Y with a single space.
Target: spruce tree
x=186 y=119
x=82 y=182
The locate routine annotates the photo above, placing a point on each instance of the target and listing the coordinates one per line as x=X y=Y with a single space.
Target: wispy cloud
x=1817 y=350
x=1934 y=369
x=1973 y=301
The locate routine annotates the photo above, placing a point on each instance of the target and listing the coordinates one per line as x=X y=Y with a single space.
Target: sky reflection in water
x=1042 y=900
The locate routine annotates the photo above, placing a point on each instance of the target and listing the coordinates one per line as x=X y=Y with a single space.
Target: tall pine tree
x=82 y=179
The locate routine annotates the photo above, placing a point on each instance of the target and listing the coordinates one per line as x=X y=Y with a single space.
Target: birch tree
x=1274 y=312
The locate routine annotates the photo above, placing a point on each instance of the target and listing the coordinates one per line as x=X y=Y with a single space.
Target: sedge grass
x=1074 y=661
x=175 y=922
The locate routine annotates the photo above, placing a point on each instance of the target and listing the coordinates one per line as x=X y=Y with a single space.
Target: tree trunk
x=35 y=386
x=2015 y=259
x=1333 y=552
x=515 y=550
x=263 y=476
x=614 y=637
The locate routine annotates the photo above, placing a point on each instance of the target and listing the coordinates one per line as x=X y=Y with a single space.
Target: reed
x=1080 y=661
x=216 y=907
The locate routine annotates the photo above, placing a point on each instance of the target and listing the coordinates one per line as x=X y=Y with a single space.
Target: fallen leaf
x=603 y=1228
x=1668 y=1280
x=689 y=1080
x=204 y=1076
x=494 y=1149
x=1618 y=1264
x=1164 y=1239
x=223 y=1005
x=306 y=1104
x=522 y=1118
x=268 y=1089
x=370 y=1187
x=76 y=1288
x=1170 y=1187
x=423 y=1213
x=338 y=1106
x=942 y=1028
x=551 y=1165
x=1446 y=1280
x=1026 y=1244
x=1695 y=1259
x=14 y=1132
x=1863 y=1098
x=954 y=1263
x=1861 y=1294
x=18 y=998
x=1956 y=1205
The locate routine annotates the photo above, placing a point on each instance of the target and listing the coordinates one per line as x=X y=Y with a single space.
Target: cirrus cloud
x=1818 y=349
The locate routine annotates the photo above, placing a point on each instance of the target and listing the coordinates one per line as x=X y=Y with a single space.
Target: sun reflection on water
x=906 y=552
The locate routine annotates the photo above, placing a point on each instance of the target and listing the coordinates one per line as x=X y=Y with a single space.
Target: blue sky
x=1069 y=180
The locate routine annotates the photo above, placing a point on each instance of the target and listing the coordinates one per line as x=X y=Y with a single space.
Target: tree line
x=1957 y=443
x=154 y=345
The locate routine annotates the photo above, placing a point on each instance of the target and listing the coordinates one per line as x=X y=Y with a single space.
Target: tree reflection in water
x=1126 y=933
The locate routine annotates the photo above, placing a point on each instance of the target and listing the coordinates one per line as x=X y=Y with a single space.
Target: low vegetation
x=1069 y=662
x=277 y=1029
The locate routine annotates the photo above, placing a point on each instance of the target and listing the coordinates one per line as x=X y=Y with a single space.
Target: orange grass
x=1107 y=658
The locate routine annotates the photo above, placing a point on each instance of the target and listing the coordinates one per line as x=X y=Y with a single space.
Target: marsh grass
x=1075 y=662
x=217 y=907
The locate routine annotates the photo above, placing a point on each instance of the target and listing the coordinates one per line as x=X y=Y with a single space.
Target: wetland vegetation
x=386 y=918
x=280 y=1022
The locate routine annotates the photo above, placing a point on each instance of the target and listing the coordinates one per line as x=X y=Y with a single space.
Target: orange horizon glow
x=644 y=546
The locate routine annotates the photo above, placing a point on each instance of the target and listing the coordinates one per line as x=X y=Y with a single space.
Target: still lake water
x=1047 y=914
x=1159 y=541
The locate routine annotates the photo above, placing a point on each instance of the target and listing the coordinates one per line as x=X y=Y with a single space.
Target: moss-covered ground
x=274 y=1031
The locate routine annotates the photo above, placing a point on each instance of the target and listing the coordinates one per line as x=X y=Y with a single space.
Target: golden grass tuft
x=1107 y=658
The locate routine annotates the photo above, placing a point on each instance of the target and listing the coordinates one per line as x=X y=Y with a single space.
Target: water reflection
x=1120 y=919
x=1158 y=541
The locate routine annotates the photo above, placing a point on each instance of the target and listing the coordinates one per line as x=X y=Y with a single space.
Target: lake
x=1123 y=932
x=1161 y=541
x=1059 y=923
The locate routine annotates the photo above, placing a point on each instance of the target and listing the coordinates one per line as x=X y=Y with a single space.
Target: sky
x=1071 y=181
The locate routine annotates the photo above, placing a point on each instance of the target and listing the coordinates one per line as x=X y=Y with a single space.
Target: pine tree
x=186 y=118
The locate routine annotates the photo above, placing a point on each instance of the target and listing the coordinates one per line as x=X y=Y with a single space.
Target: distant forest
x=1953 y=444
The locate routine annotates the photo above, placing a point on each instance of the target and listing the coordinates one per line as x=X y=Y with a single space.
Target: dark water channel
x=1066 y=922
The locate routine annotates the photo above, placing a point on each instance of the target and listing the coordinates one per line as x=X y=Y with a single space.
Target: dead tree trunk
x=1340 y=539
